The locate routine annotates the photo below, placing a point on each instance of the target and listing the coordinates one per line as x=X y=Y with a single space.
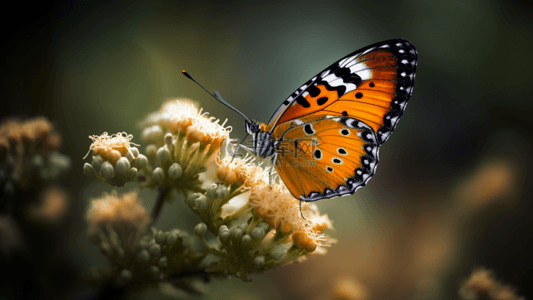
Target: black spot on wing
x=308 y=129
x=302 y=101
x=322 y=100
x=313 y=91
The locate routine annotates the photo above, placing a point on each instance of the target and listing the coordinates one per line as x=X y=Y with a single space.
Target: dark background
x=452 y=191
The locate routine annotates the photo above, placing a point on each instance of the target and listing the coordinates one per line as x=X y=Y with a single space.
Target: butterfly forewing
x=372 y=84
x=326 y=156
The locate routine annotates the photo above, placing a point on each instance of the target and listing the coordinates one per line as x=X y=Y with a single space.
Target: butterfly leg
x=240 y=145
x=274 y=159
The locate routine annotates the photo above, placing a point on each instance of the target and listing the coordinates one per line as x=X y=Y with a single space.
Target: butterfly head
x=252 y=127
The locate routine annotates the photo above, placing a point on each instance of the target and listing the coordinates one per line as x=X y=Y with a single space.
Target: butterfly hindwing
x=323 y=156
x=372 y=85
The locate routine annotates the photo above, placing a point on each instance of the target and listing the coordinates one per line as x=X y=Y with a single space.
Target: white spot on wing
x=362 y=70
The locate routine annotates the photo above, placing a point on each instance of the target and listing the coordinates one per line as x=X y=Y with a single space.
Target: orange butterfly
x=324 y=139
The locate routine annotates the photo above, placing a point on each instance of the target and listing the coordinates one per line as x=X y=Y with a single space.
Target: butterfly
x=325 y=137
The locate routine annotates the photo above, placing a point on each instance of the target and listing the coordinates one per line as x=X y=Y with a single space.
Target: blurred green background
x=452 y=191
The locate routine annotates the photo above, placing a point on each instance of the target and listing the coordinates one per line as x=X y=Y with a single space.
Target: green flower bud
x=159 y=175
x=122 y=166
x=132 y=174
x=88 y=170
x=160 y=237
x=200 y=229
x=191 y=198
x=258 y=233
x=236 y=235
x=164 y=248
x=175 y=171
x=211 y=190
x=172 y=237
x=143 y=256
x=129 y=156
x=246 y=240
x=107 y=171
x=223 y=234
x=264 y=225
x=168 y=139
x=97 y=162
x=222 y=191
x=126 y=275
x=278 y=252
x=155 y=250
x=141 y=161
x=134 y=151
x=163 y=262
x=259 y=261
x=163 y=154
x=201 y=203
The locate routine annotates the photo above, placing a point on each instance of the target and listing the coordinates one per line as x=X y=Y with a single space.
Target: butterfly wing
x=326 y=156
x=372 y=85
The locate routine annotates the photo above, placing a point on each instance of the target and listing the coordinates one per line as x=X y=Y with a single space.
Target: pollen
x=245 y=172
x=111 y=147
x=207 y=131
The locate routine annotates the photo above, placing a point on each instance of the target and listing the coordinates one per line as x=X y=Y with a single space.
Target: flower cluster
x=112 y=159
x=248 y=223
x=28 y=154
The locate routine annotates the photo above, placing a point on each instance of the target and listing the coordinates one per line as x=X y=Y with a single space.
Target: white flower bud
x=246 y=240
x=155 y=250
x=159 y=175
x=132 y=174
x=175 y=171
x=141 y=161
x=122 y=166
x=201 y=203
x=107 y=171
x=88 y=170
x=97 y=162
x=200 y=229
x=259 y=261
x=163 y=154
x=258 y=233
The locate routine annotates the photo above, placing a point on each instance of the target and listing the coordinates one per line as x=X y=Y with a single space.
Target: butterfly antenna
x=216 y=95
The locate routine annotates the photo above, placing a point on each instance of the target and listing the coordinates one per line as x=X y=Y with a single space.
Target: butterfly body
x=324 y=139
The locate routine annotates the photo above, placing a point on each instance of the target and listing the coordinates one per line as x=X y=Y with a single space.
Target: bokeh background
x=453 y=189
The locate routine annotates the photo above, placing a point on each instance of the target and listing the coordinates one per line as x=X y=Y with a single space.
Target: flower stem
x=163 y=192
